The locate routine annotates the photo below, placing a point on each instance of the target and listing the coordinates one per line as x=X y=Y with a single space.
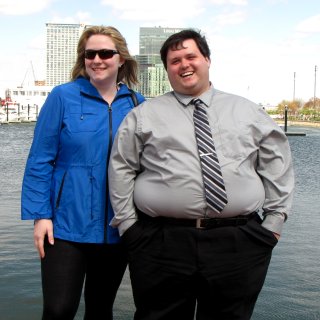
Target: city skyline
x=61 y=54
x=264 y=50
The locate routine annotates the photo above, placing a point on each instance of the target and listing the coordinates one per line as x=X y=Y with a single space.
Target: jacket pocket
x=73 y=198
x=141 y=237
x=60 y=191
x=131 y=234
x=83 y=122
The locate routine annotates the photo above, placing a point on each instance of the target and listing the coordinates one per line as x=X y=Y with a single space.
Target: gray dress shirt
x=155 y=164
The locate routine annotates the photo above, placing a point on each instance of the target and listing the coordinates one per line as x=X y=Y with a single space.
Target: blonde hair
x=128 y=71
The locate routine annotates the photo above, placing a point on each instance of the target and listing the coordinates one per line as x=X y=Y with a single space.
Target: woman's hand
x=42 y=227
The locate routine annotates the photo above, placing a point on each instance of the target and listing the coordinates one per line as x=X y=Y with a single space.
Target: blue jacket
x=65 y=176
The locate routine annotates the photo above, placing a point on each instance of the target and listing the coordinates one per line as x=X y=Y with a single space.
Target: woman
x=65 y=184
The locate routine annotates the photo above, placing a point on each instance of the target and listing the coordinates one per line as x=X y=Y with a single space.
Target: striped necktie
x=212 y=177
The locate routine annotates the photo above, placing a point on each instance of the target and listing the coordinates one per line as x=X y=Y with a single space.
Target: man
x=190 y=248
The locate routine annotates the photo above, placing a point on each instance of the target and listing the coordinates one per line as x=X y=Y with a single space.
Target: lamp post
x=294 y=86
x=285 y=118
x=315 y=87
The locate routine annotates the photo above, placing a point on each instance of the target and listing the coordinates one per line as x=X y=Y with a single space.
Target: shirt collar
x=205 y=97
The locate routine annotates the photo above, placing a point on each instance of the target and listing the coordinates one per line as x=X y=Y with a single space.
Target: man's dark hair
x=175 y=41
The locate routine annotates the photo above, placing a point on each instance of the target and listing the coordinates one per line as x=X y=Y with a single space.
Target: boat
x=9 y=111
x=28 y=95
x=23 y=103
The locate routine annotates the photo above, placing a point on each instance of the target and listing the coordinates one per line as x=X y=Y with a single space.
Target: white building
x=62 y=41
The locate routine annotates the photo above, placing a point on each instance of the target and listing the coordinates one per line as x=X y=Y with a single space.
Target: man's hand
x=42 y=227
x=276 y=235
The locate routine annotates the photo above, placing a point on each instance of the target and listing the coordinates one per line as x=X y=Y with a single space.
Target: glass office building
x=153 y=79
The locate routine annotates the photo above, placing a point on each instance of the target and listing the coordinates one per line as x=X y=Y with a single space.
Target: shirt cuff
x=274 y=222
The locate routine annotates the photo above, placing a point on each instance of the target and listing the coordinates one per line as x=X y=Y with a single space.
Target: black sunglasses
x=103 y=53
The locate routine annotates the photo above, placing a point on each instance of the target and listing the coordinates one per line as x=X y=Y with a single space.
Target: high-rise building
x=62 y=41
x=151 y=39
x=153 y=79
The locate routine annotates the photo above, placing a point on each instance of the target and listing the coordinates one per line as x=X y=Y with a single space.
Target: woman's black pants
x=68 y=265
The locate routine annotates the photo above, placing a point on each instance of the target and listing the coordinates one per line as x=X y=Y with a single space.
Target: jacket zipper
x=107 y=185
x=91 y=183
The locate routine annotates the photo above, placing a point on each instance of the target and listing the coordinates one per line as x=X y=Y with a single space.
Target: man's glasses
x=103 y=53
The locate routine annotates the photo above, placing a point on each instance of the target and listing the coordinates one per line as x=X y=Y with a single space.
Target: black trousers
x=182 y=272
x=67 y=265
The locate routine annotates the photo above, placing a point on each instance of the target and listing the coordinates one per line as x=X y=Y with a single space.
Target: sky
x=264 y=50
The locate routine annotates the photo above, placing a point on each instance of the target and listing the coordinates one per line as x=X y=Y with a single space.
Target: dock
x=286 y=126
x=295 y=133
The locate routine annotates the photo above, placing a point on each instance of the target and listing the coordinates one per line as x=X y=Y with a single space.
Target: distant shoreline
x=279 y=122
x=299 y=123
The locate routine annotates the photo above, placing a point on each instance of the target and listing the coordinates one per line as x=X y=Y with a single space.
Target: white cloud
x=239 y=2
x=230 y=18
x=168 y=13
x=21 y=73
x=233 y=2
x=84 y=17
x=25 y=66
x=172 y=13
x=310 y=25
x=22 y=7
x=275 y=2
x=79 y=17
x=38 y=43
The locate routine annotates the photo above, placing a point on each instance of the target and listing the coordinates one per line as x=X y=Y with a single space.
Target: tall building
x=151 y=39
x=62 y=41
x=153 y=79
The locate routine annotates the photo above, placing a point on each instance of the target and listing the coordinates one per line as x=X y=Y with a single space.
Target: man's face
x=188 y=69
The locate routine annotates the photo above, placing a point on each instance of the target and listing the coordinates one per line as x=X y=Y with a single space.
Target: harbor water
x=292 y=287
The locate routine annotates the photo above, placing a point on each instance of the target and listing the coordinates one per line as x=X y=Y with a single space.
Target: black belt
x=200 y=223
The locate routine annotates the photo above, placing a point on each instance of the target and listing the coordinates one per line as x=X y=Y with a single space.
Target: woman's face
x=102 y=71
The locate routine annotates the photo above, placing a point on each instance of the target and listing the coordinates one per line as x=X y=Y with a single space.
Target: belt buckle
x=198 y=224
